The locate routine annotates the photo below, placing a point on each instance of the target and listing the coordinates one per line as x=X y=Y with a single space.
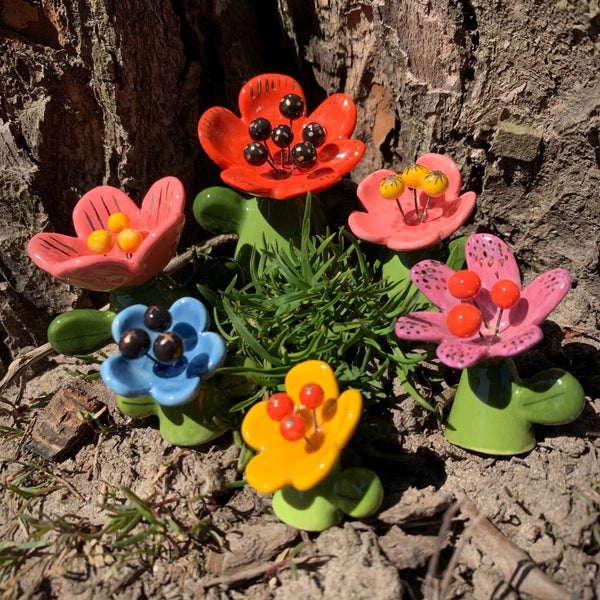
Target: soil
x=218 y=539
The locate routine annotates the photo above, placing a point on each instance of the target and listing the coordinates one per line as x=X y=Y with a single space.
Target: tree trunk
x=104 y=92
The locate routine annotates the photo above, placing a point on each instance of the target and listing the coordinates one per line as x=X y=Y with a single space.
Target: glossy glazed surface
x=301 y=463
x=493 y=410
x=502 y=333
x=159 y=220
x=224 y=136
x=383 y=222
x=172 y=384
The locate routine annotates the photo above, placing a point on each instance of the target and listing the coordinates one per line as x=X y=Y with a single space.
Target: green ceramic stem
x=196 y=422
x=356 y=492
x=259 y=222
x=493 y=410
x=161 y=289
x=187 y=425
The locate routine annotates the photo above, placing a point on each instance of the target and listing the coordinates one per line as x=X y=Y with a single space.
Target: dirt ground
x=126 y=515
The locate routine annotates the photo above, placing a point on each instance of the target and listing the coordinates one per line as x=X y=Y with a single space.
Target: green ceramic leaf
x=552 y=397
x=81 y=331
x=358 y=492
x=305 y=510
x=219 y=210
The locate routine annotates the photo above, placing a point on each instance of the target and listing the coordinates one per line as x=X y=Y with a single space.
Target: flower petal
x=223 y=136
x=129 y=318
x=163 y=214
x=269 y=471
x=460 y=355
x=191 y=312
x=127 y=377
x=310 y=467
x=267 y=184
x=431 y=277
x=260 y=97
x=313 y=468
x=340 y=155
x=370 y=197
x=208 y=356
x=427 y=326
x=311 y=371
x=544 y=293
x=50 y=251
x=174 y=391
x=413 y=238
x=337 y=114
x=259 y=430
x=521 y=340
x=93 y=209
x=489 y=257
x=69 y=259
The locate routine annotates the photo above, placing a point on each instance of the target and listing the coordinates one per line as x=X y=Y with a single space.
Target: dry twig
x=516 y=566
x=254 y=572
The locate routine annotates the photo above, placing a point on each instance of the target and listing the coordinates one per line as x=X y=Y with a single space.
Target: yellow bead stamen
x=117 y=222
x=413 y=177
x=100 y=242
x=129 y=240
x=435 y=184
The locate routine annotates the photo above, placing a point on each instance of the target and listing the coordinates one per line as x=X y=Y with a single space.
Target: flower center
x=465 y=319
x=127 y=239
x=415 y=177
x=297 y=422
x=301 y=156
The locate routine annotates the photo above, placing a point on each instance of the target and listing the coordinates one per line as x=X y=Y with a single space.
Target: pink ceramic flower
x=518 y=328
x=159 y=221
x=225 y=137
x=383 y=222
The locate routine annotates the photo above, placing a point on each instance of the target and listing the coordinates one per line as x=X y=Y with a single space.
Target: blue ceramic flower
x=166 y=360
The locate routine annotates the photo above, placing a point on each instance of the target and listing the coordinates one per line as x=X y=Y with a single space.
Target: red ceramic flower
x=159 y=223
x=384 y=222
x=225 y=138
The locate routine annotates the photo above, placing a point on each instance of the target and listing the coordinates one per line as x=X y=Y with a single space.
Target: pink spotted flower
x=509 y=317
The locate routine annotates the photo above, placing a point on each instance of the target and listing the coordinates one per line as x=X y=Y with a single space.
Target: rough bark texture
x=109 y=92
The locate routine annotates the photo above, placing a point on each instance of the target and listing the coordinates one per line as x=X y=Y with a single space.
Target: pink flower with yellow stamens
x=414 y=217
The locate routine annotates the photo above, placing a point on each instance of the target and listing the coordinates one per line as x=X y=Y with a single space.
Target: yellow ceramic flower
x=305 y=462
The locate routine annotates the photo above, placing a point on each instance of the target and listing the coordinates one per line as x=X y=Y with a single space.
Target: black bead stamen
x=302 y=155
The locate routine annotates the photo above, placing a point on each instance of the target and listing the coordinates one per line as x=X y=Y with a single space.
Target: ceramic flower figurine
x=485 y=318
x=118 y=248
x=117 y=244
x=414 y=210
x=299 y=435
x=274 y=152
x=411 y=211
x=274 y=149
x=164 y=358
